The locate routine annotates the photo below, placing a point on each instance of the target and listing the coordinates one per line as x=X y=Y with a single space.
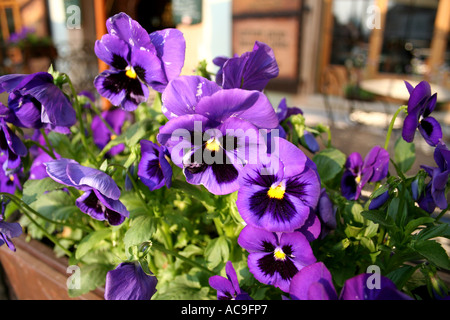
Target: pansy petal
x=129 y=282
x=122 y=26
x=113 y=50
x=170 y=47
x=182 y=95
x=147 y=66
x=93 y=178
x=55 y=105
x=247 y=105
x=253 y=239
x=225 y=290
x=418 y=95
x=410 y=125
x=57 y=170
x=431 y=130
x=316 y=273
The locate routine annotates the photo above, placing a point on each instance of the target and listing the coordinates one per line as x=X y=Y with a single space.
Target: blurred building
x=319 y=45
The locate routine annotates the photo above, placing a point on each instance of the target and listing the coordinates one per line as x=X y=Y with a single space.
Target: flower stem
x=391 y=125
x=50 y=150
x=79 y=112
x=163 y=249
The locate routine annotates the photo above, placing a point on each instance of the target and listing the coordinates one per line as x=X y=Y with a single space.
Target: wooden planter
x=33 y=272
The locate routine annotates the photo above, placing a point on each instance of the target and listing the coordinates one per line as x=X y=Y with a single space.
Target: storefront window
x=407 y=36
x=351 y=32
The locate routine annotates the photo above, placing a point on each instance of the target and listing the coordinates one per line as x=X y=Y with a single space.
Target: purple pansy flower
x=420 y=105
x=278 y=193
x=212 y=132
x=425 y=198
x=315 y=282
x=154 y=170
x=251 y=71
x=357 y=288
x=137 y=60
x=11 y=147
x=128 y=281
x=101 y=197
x=36 y=102
x=379 y=200
x=228 y=288
x=102 y=135
x=358 y=172
x=9 y=179
x=275 y=258
x=439 y=175
x=8 y=230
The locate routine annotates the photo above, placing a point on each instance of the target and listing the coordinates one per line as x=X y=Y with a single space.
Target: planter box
x=33 y=272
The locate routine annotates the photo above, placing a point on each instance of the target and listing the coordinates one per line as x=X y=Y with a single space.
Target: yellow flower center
x=213 y=145
x=130 y=73
x=358 y=179
x=113 y=137
x=276 y=192
x=11 y=178
x=279 y=254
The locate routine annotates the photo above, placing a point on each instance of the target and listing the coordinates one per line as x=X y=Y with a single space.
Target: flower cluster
x=158 y=200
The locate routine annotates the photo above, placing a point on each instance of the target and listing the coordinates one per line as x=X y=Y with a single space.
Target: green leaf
x=401 y=275
x=56 y=205
x=329 y=163
x=33 y=189
x=217 y=251
x=90 y=241
x=433 y=252
x=414 y=224
x=404 y=154
x=142 y=229
x=91 y=277
x=378 y=217
x=440 y=230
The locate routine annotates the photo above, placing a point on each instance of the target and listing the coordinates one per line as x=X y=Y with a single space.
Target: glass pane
x=351 y=32
x=407 y=36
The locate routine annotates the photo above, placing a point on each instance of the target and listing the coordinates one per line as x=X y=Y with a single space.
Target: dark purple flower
x=36 y=102
x=379 y=200
x=278 y=193
x=228 y=288
x=101 y=197
x=137 y=60
x=8 y=230
x=251 y=71
x=128 y=281
x=9 y=179
x=361 y=287
x=425 y=198
x=358 y=172
x=439 y=175
x=11 y=147
x=102 y=135
x=38 y=170
x=154 y=170
x=313 y=282
x=212 y=132
x=275 y=258
x=420 y=105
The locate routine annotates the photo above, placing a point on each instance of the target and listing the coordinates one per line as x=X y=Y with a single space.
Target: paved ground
x=358 y=131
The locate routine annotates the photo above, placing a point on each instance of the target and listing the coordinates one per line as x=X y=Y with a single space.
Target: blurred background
x=342 y=61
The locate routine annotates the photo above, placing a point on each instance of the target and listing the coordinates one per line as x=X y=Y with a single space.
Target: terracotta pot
x=33 y=272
